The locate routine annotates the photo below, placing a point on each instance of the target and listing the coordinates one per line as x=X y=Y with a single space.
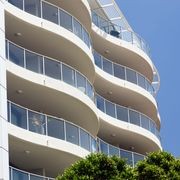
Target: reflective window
x=104 y=147
x=95 y=19
x=8 y=111
x=33 y=7
x=86 y=37
x=144 y=122
x=141 y=81
x=18 y=116
x=81 y=82
x=52 y=68
x=97 y=58
x=90 y=91
x=107 y=66
x=17 y=3
x=17 y=175
x=134 y=117
x=152 y=127
x=131 y=76
x=93 y=145
x=7 y=50
x=127 y=156
x=110 y=108
x=137 y=157
x=55 y=127
x=100 y=103
x=85 y=139
x=68 y=75
x=50 y=12
x=16 y=55
x=113 y=151
x=122 y=113
x=34 y=62
x=72 y=134
x=36 y=122
x=66 y=20
x=33 y=177
x=77 y=28
x=119 y=71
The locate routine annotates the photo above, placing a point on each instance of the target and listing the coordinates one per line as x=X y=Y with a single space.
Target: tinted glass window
x=127 y=156
x=113 y=151
x=100 y=103
x=90 y=91
x=32 y=7
x=110 y=108
x=72 y=134
x=81 y=82
x=52 y=68
x=145 y=122
x=55 y=128
x=66 y=20
x=18 y=116
x=141 y=81
x=97 y=58
x=134 y=117
x=17 y=3
x=85 y=139
x=86 y=37
x=77 y=28
x=34 y=62
x=17 y=175
x=119 y=71
x=16 y=55
x=152 y=127
x=137 y=157
x=68 y=75
x=122 y=113
x=93 y=145
x=107 y=66
x=104 y=147
x=50 y=12
x=131 y=76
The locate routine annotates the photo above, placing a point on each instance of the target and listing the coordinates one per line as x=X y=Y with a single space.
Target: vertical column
x=4 y=155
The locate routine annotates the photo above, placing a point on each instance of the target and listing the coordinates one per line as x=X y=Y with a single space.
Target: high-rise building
x=74 y=79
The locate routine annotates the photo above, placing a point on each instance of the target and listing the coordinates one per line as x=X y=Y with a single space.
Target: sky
x=158 y=22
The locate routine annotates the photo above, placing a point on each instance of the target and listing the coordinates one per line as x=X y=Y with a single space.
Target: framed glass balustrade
x=126 y=114
x=48 y=67
x=54 y=14
x=17 y=174
x=119 y=32
x=123 y=72
x=50 y=126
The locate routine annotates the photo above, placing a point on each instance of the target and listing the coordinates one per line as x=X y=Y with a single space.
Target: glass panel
x=134 y=117
x=137 y=157
x=127 y=156
x=95 y=19
x=131 y=76
x=119 y=71
x=77 y=28
x=72 y=134
x=33 y=7
x=52 y=68
x=17 y=3
x=34 y=62
x=152 y=127
x=144 y=122
x=16 y=55
x=37 y=122
x=65 y=20
x=50 y=12
x=7 y=44
x=85 y=140
x=18 y=116
x=100 y=103
x=33 y=177
x=93 y=145
x=110 y=108
x=90 y=91
x=8 y=111
x=113 y=151
x=107 y=66
x=55 y=128
x=127 y=35
x=68 y=75
x=104 y=147
x=81 y=82
x=122 y=113
x=141 y=81
x=17 y=175
x=97 y=58
x=86 y=37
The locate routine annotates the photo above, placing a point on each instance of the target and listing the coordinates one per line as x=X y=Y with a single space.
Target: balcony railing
x=17 y=174
x=59 y=128
x=127 y=115
x=123 y=72
x=54 y=14
x=48 y=67
x=119 y=32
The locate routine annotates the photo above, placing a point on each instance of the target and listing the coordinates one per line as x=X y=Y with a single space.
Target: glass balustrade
x=48 y=67
x=54 y=14
x=126 y=114
x=123 y=72
x=17 y=174
x=119 y=32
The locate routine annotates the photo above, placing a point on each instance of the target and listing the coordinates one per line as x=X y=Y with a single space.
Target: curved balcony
x=17 y=174
x=123 y=72
x=127 y=115
x=54 y=14
x=49 y=67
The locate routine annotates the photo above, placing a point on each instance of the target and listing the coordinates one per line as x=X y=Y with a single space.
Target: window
x=119 y=71
x=90 y=91
x=145 y=122
x=104 y=147
x=122 y=113
x=33 y=7
x=81 y=82
x=110 y=108
x=131 y=76
x=66 y=20
x=86 y=37
x=107 y=66
x=17 y=3
x=100 y=103
x=134 y=117
x=141 y=81
x=72 y=134
x=17 y=175
x=97 y=58
x=85 y=139
x=68 y=75
x=126 y=156
x=77 y=28
x=113 y=151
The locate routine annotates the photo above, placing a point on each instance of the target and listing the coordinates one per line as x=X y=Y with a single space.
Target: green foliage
x=156 y=166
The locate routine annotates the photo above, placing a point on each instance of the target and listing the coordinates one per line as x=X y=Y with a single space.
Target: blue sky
x=158 y=22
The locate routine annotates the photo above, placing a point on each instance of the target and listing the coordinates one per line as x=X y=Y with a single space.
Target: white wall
x=4 y=155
